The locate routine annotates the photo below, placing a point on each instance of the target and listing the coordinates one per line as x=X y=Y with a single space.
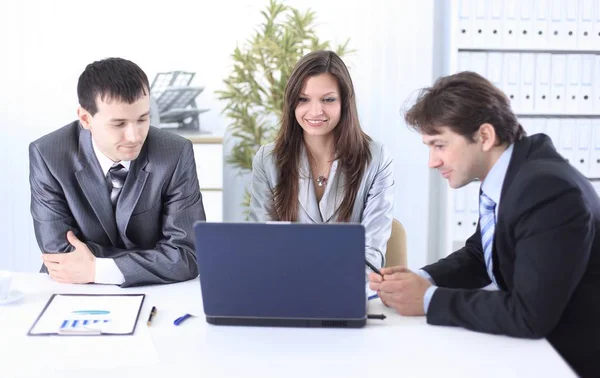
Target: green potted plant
x=255 y=88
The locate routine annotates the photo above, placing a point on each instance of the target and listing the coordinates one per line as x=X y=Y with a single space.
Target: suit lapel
x=306 y=190
x=132 y=189
x=94 y=185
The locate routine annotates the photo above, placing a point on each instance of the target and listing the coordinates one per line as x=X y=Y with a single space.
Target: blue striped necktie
x=487 y=224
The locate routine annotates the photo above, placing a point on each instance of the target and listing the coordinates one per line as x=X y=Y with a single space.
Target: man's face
x=456 y=158
x=118 y=129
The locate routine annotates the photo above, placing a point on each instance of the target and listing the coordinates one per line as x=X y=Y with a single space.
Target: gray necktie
x=116 y=178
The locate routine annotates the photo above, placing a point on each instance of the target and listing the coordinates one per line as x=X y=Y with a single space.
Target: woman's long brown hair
x=351 y=143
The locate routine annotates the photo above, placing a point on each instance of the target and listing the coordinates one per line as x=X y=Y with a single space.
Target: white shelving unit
x=208 y=153
x=545 y=56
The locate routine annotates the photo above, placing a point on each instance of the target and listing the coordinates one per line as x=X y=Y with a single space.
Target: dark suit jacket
x=151 y=236
x=546 y=258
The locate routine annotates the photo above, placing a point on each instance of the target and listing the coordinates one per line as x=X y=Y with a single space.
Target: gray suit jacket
x=372 y=208
x=151 y=236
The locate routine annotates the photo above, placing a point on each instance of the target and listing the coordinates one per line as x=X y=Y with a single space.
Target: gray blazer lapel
x=132 y=189
x=94 y=185
x=306 y=190
x=334 y=193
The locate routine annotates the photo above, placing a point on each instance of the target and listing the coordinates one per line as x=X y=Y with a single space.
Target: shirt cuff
x=107 y=272
x=425 y=275
x=427 y=297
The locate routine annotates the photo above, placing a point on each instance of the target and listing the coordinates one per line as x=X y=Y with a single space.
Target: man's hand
x=400 y=289
x=78 y=266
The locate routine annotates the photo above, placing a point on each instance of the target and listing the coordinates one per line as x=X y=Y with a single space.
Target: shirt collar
x=492 y=185
x=105 y=162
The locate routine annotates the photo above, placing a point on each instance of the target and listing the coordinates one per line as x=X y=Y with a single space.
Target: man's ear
x=487 y=136
x=84 y=116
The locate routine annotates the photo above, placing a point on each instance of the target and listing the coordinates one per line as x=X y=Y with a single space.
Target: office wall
x=45 y=46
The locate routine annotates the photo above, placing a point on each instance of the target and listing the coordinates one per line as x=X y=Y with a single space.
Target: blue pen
x=373 y=296
x=181 y=319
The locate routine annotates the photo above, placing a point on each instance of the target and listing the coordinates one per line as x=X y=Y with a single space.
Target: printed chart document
x=89 y=314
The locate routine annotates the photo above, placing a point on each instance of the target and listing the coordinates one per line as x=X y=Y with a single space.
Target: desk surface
x=397 y=347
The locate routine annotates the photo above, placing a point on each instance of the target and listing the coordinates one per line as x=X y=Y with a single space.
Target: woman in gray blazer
x=322 y=167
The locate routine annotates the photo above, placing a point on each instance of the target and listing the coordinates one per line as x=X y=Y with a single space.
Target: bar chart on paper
x=77 y=314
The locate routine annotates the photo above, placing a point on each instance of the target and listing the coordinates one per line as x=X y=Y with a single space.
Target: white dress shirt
x=107 y=271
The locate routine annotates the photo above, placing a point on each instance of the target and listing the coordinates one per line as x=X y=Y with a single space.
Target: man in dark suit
x=538 y=237
x=113 y=199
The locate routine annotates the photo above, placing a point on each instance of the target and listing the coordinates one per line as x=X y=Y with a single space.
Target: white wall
x=45 y=45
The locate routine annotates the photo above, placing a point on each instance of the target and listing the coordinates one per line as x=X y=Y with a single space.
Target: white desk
x=395 y=347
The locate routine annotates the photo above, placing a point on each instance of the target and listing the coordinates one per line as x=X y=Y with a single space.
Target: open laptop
x=282 y=274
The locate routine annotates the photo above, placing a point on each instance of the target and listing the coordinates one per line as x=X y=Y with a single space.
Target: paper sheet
x=74 y=314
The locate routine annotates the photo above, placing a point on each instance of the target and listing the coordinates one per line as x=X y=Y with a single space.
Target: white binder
x=582 y=149
x=585 y=25
x=586 y=90
x=559 y=82
x=542 y=82
x=464 y=61
x=479 y=63
x=460 y=214
x=464 y=23
x=527 y=83
x=553 y=132
x=541 y=22
x=572 y=98
x=526 y=16
x=596 y=81
x=511 y=23
x=495 y=65
x=512 y=78
x=480 y=18
x=535 y=126
x=594 y=168
x=495 y=26
x=567 y=139
x=472 y=192
x=570 y=17
x=596 y=26
x=557 y=36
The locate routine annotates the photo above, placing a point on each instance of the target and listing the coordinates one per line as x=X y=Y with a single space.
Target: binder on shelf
x=596 y=33
x=585 y=24
x=460 y=214
x=594 y=166
x=534 y=126
x=464 y=61
x=558 y=84
x=512 y=78
x=540 y=23
x=527 y=83
x=553 y=131
x=583 y=131
x=495 y=23
x=570 y=18
x=526 y=16
x=495 y=68
x=557 y=31
x=511 y=23
x=472 y=192
x=596 y=78
x=586 y=90
x=479 y=63
x=480 y=20
x=464 y=23
x=566 y=142
x=572 y=97
x=542 y=82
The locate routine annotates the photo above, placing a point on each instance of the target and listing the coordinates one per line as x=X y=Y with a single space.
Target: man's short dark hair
x=113 y=79
x=463 y=102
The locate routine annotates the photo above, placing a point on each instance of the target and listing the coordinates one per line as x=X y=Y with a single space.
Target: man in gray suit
x=113 y=199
